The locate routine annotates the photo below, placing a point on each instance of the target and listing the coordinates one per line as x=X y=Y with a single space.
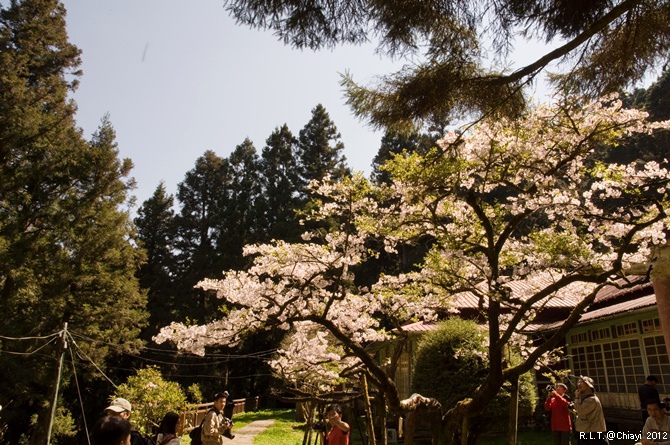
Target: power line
x=54 y=335
x=53 y=339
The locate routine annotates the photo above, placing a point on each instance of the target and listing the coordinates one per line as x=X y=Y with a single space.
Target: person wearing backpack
x=167 y=430
x=120 y=407
x=216 y=426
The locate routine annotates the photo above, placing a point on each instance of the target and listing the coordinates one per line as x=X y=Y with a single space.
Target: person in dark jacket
x=111 y=430
x=647 y=393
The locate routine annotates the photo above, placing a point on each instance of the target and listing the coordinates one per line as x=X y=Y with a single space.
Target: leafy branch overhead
x=462 y=51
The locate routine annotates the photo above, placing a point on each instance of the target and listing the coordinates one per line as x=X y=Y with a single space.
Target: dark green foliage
x=203 y=195
x=451 y=363
x=394 y=143
x=156 y=233
x=319 y=149
x=281 y=187
x=644 y=148
x=242 y=212
x=65 y=238
x=468 y=47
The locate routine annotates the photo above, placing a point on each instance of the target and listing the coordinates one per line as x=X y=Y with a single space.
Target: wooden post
x=513 y=412
x=464 y=430
x=368 y=411
x=59 y=371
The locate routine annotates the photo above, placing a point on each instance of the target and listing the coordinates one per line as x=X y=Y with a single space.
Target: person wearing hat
x=590 y=416
x=647 y=393
x=120 y=407
x=216 y=426
x=557 y=404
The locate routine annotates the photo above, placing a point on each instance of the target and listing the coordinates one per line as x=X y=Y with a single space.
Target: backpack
x=196 y=433
x=137 y=439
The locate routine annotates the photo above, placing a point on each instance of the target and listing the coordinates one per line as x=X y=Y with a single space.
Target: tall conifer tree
x=320 y=148
x=65 y=252
x=202 y=195
x=279 y=167
x=157 y=235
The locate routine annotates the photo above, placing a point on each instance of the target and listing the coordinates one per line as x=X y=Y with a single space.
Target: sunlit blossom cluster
x=503 y=203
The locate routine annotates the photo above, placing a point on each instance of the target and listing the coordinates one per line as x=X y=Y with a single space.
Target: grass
x=284 y=431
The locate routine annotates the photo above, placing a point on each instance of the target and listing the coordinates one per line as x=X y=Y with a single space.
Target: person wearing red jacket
x=557 y=404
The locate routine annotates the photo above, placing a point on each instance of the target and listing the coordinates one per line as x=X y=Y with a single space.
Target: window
x=625 y=329
x=657 y=359
x=599 y=334
x=651 y=325
x=582 y=337
x=615 y=366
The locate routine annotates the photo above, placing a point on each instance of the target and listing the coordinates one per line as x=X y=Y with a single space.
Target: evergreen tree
x=65 y=251
x=394 y=143
x=319 y=149
x=157 y=236
x=240 y=219
x=278 y=205
x=202 y=195
x=605 y=45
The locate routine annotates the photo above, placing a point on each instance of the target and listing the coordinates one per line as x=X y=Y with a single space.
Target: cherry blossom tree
x=503 y=201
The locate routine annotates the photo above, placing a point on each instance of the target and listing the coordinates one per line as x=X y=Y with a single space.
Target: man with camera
x=590 y=416
x=216 y=426
x=558 y=405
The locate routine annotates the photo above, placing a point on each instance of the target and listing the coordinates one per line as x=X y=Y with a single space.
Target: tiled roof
x=612 y=292
x=565 y=298
x=615 y=309
x=419 y=326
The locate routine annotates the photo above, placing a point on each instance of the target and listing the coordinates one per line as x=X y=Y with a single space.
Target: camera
x=319 y=426
x=550 y=388
x=227 y=422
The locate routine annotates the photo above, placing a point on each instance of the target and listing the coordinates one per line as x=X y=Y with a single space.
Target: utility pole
x=59 y=371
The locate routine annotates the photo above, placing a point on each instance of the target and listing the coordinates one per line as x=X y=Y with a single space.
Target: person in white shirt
x=656 y=430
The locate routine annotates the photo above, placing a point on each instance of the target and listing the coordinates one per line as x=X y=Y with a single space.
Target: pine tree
x=240 y=224
x=203 y=196
x=319 y=149
x=278 y=205
x=394 y=143
x=65 y=251
x=157 y=235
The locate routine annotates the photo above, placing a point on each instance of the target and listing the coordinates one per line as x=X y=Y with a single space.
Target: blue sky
x=180 y=78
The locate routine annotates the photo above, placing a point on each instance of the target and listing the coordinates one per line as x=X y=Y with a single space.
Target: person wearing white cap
x=120 y=407
x=590 y=417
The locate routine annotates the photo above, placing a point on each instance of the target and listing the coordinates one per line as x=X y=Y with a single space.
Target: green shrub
x=152 y=397
x=452 y=361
